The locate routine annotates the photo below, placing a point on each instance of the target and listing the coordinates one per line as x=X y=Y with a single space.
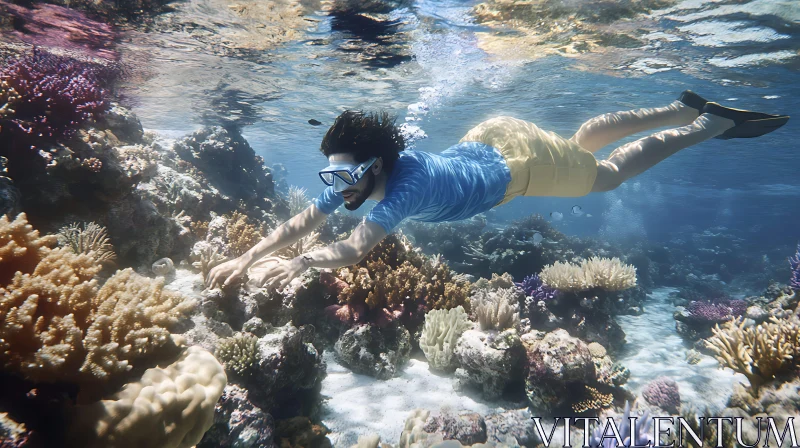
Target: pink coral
x=663 y=392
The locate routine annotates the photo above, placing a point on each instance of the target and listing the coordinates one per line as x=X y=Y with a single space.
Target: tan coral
x=21 y=247
x=594 y=401
x=169 y=407
x=131 y=320
x=759 y=352
x=242 y=234
x=564 y=277
x=608 y=273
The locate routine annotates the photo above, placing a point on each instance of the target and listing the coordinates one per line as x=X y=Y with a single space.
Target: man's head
x=356 y=138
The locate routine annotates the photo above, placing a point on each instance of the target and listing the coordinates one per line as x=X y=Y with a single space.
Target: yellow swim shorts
x=542 y=163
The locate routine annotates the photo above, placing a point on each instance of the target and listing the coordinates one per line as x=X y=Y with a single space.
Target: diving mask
x=342 y=175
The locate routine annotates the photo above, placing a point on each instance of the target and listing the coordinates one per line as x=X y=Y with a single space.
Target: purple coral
x=533 y=287
x=716 y=311
x=663 y=392
x=794 y=281
x=637 y=436
x=55 y=94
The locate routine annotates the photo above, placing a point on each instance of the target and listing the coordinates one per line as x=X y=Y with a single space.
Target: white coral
x=439 y=336
x=498 y=309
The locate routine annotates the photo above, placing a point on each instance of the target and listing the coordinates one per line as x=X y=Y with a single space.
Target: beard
x=361 y=197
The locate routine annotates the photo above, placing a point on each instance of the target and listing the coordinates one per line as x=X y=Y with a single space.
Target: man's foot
x=693 y=100
x=748 y=124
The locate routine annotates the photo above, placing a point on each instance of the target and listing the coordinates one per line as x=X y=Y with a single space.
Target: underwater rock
x=123 y=123
x=256 y=326
x=468 y=428
x=600 y=328
x=516 y=424
x=227 y=160
x=557 y=365
x=239 y=423
x=488 y=361
x=374 y=351
x=301 y=432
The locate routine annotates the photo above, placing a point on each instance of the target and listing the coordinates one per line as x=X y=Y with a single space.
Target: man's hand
x=280 y=274
x=226 y=273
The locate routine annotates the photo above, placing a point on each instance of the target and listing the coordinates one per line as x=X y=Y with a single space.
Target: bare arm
x=286 y=234
x=343 y=253
x=348 y=252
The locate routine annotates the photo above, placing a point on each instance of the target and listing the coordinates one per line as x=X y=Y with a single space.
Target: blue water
x=450 y=84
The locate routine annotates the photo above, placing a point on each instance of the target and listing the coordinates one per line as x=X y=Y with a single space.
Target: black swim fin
x=749 y=124
x=693 y=100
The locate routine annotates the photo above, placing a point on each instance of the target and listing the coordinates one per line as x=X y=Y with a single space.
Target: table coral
x=609 y=274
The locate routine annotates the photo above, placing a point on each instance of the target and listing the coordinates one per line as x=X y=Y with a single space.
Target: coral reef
x=92 y=240
x=163 y=268
x=58 y=326
x=374 y=351
x=663 y=392
x=594 y=401
x=238 y=422
x=759 y=352
x=603 y=273
x=136 y=416
x=21 y=247
x=242 y=234
x=489 y=362
x=600 y=439
x=498 y=309
x=239 y=353
x=794 y=264
x=440 y=334
x=395 y=282
x=47 y=97
x=301 y=432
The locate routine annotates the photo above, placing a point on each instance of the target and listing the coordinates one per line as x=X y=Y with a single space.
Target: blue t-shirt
x=464 y=180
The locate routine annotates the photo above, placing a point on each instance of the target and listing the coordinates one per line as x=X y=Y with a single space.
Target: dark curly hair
x=365 y=136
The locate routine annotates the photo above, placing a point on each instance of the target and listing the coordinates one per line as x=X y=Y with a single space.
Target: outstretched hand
x=279 y=274
x=225 y=274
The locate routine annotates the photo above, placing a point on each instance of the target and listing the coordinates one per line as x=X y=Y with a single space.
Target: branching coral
x=298 y=201
x=393 y=275
x=594 y=401
x=239 y=353
x=92 y=240
x=440 y=334
x=55 y=325
x=56 y=94
x=242 y=234
x=564 y=277
x=608 y=274
x=760 y=352
x=21 y=247
x=604 y=273
x=716 y=311
x=497 y=309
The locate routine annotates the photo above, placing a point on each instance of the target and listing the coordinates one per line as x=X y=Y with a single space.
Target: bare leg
x=608 y=128
x=636 y=157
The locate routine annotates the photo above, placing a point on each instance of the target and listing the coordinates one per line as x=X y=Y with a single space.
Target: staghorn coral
x=498 y=309
x=239 y=353
x=439 y=336
x=759 y=352
x=604 y=273
x=663 y=392
x=208 y=257
x=169 y=407
x=21 y=247
x=242 y=234
x=794 y=264
x=594 y=401
x=92 y=240
x=301 y=246
x=57 y=94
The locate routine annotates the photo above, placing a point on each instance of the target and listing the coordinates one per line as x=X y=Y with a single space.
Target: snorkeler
x=496 y=161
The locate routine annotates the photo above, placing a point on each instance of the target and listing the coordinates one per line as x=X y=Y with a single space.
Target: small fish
x=314 y=122
x=537 y=238
x=577 y=210
x=556 y=216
